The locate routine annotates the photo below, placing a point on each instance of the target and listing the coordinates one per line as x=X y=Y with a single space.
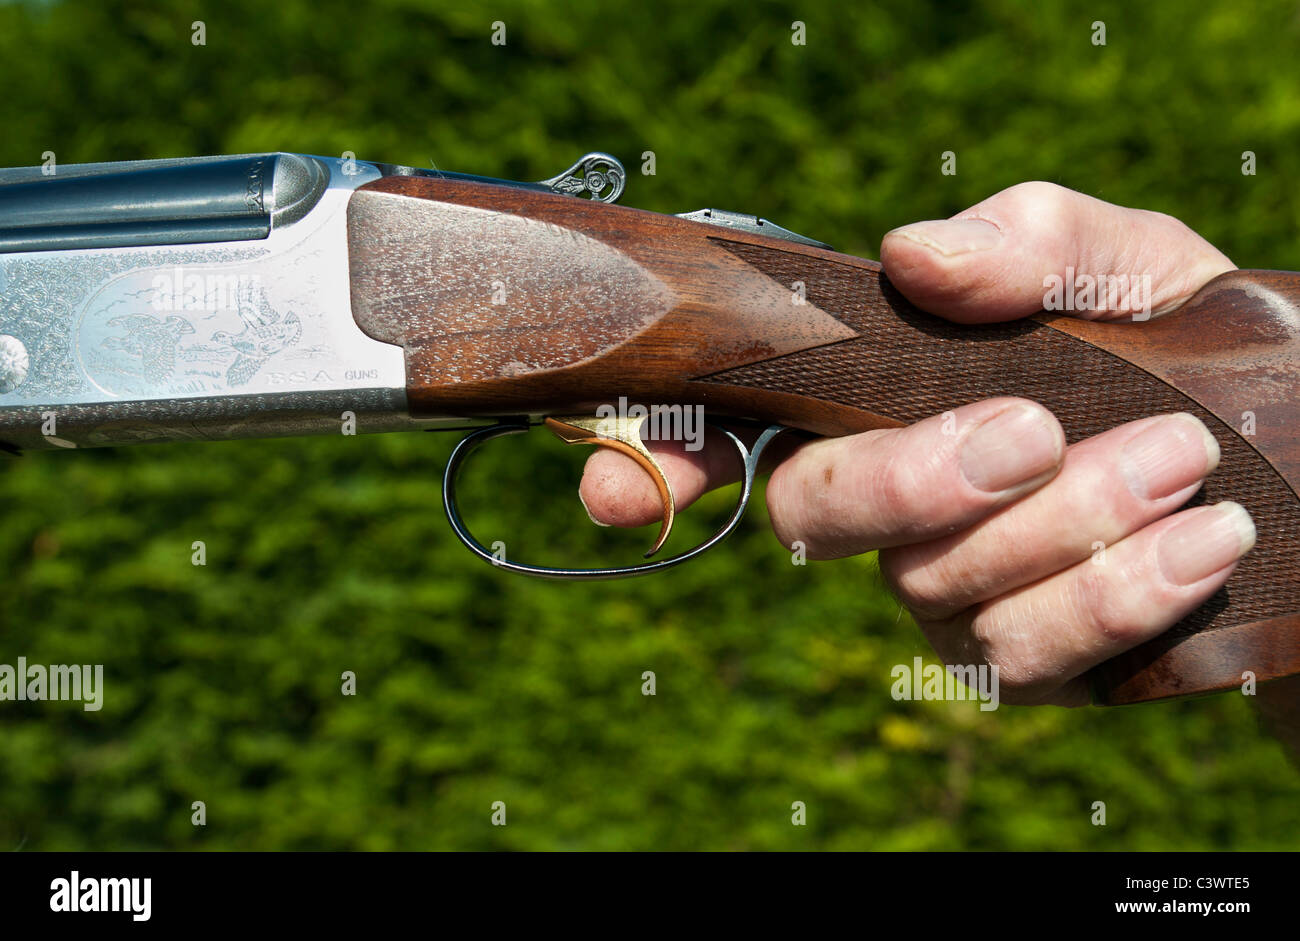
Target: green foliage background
x=327 y=555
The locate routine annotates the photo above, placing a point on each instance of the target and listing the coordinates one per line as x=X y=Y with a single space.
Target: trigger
x=622 y=435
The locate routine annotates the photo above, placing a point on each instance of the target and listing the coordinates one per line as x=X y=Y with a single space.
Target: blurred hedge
x=332 y=555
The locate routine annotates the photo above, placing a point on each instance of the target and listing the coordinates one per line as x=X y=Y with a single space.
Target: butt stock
x=511 y=302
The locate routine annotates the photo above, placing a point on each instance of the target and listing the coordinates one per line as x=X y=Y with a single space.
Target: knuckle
x=1040 y=197
x=902 y=579
x=1009 y=647
x=1093 y=493
x=1103 y=597
x=896 y=491
x=889 y=487
x=925 y=589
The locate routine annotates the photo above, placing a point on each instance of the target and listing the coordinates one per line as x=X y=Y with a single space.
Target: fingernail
x=588 y=509
x=1012 y=448
x=952 y=236
x=1172 y=453
x=1208 y=540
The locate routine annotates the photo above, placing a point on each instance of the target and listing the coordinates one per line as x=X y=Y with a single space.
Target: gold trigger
x=624 y=436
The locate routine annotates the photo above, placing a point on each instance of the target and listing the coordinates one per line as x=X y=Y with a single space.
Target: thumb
x=995 y=260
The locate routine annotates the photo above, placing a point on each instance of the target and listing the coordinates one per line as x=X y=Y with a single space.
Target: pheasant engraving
x=150 y=340
x=265 y=333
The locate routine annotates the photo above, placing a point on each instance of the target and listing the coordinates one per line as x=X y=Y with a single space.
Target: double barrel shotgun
x=271 y=294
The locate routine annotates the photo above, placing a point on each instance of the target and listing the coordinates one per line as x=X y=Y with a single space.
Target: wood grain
x=509 y=302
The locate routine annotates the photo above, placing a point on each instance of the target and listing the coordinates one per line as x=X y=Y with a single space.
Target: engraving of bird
x=150 y=340
x=265 y=334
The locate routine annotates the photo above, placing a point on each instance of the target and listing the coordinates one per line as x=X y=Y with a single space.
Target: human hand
x=971 y=526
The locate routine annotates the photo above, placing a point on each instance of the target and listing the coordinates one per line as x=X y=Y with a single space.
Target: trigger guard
x=467 y=445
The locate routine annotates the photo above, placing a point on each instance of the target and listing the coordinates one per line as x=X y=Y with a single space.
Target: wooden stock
x=508 y=301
